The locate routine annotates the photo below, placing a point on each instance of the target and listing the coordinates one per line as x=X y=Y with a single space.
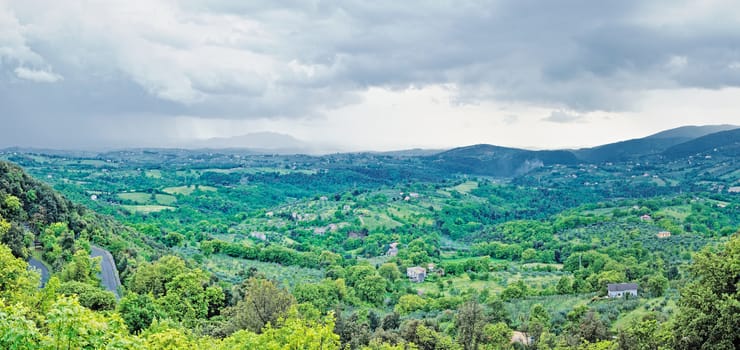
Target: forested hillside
x=222 y=249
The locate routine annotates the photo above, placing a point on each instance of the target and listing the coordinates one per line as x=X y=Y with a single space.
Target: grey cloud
x=40 y=76
x=563 y=117
x=261 y=59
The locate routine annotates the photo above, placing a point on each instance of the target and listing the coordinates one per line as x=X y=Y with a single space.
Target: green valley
x=479 y=247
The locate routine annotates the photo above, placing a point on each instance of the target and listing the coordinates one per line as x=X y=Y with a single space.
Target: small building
x=393 y=250
x=663 y=234
x=618 y=290
x=734 y=189
x=416 y=274
x=646 y=217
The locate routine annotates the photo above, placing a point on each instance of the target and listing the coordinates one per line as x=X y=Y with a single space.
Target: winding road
x=41 y=268
x=108 y=272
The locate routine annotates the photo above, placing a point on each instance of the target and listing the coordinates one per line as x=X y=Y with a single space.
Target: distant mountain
x=257 y=140
x=726 y=143
x=691 y=131
x=498 y=161
x=650 y=145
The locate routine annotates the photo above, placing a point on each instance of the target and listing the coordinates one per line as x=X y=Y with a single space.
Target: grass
x=466 y=187
x=188 y=190
x=146 y=209
x=146 y=198
x=155 y=174
x=679 y=212
x=138 y=197
x=165 y=199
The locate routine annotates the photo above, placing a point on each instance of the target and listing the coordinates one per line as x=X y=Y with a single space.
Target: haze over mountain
x=262 y=142
x=503 y=161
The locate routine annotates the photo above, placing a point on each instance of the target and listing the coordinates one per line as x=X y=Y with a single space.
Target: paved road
x=41 y=268
x=108 y=273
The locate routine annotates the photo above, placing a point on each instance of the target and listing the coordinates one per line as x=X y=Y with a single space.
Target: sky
x=363 y=75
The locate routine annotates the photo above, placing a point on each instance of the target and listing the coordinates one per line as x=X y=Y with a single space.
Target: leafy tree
x=264 y=303
x=15 y=237
x=565 y=285
x=496 y=336
x=82 y=268
x=190 y=298
x=138 y=311
x=154 y=277
x=656 y=285
x=648 y=334
x=90 y=297
x=592 y=328
x=389 y=271
x=538 y=321
x=371 y=289
x=408 y=303
x=470 y=322
x=17 y=283
x=709 y=308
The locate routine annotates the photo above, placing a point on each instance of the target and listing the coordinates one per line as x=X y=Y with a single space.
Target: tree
x=389 y=271
x=656 y=285
x=565 y=285
x=592 y=328
x=153 y=278
x=264 y=303
x=496 y=336
x=138 y=311
x=371 y=289
x=16 y=282
x=90 y=297
x=538 y=321
x=82 y=268
x=408 y=303
x=189 y=297
x=646 y=334
x=709 y=307
x=470 y=322
x=528 y=255
x=14 y=237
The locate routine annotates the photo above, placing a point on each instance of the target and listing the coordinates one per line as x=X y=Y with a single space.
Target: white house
x=618 y=290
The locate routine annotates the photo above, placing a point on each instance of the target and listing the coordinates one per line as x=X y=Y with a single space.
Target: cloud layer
x=83 y=61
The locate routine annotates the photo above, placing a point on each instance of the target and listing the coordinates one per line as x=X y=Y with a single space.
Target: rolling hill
x=726 y=143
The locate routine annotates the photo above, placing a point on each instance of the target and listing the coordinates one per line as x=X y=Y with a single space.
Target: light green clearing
x=165 y=199
x=146 y=198
x=146 y=209
x=188 y=190
x=155 y=174
x=679 y=212
x=466 y=187
x=138 y=197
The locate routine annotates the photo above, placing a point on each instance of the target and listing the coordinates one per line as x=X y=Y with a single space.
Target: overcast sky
x=362 y=75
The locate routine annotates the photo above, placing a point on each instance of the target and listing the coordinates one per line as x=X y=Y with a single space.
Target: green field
x=146 y=198
x=188 y=190
x=146 y=209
